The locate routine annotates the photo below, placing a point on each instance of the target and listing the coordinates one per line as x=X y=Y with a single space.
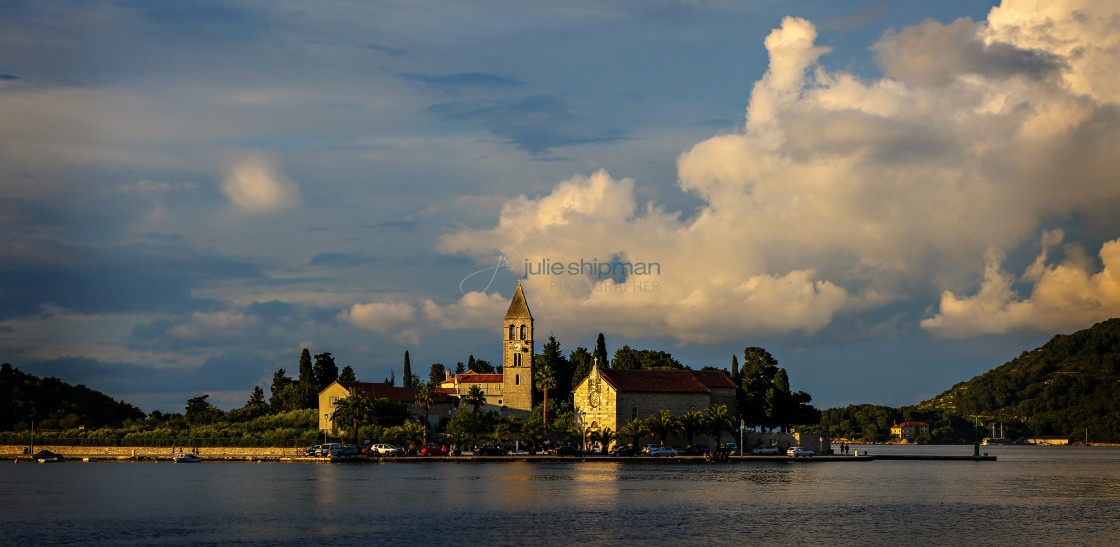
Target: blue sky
x=890 y=197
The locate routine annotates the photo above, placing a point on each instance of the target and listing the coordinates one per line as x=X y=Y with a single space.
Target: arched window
x=511 y=332
x=633 y=413
x=523 y=332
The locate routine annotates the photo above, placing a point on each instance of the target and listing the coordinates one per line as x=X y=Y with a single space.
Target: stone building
x=610 y=398
x=336 y=391
x=909 y=430
x=511 y=391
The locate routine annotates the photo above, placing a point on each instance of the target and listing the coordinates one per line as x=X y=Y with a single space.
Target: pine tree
x=347 y=374
x=436 y=374
x=326 y=371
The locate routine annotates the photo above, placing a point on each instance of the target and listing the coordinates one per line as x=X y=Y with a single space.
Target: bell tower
x=517 y=354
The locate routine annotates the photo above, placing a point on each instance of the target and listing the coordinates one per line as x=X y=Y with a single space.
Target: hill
x=55 y=404
x=1070 y=384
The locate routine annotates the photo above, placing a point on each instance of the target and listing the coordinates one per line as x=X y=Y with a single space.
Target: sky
x=890 y=197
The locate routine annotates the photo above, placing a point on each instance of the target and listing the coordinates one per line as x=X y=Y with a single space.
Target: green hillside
x=54 y=404
x=1070 y=384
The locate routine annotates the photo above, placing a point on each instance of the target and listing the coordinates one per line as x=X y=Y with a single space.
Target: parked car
x=730 y=447
x=313 y=451
x=489 y=451
x=796 y=451
x=648 y=447
x=384 y=449
x=695 y=450
x=625 y=451
x=662 y=451
x=433 y=450
x=766 y=450
x=325 y=449
x=567 y=451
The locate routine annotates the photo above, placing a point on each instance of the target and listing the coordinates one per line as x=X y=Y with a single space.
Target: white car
x=662 y=451
x=383 y=449
x=796 y=451
x=766 y=450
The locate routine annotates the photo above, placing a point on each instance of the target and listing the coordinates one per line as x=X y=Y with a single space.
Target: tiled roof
x=478 y=378
x=713 y=378
x=663 y=381
x=904 y=424
x=382 y=390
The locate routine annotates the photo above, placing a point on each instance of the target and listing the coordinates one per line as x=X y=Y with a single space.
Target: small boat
x=89 y=459
x=46 y=456
x=186 y=458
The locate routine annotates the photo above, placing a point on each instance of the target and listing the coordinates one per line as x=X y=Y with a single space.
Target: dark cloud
x=8 y=77
x=934 y=54
x=106 y=280
x=273 y=309
x=342 y=260
x=455 y=82
x=536 y=124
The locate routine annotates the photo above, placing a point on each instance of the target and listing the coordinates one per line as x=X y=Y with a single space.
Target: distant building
x=909 y=430
x=336 y=391
x=510 y=391
x=1048 y=440
x=610 y=398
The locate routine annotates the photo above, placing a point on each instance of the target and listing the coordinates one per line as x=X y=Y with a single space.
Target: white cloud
x=1065 y=296
x=255 y=184
x=380 y=317
x=205 y=325
x=844 y=194
x=473 y=310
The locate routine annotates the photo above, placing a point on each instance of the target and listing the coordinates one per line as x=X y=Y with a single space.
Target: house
x=336 y=391
x=909 y=430
x=609 y=398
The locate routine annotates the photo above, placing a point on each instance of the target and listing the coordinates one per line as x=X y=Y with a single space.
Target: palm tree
x=531 y=434
x=413 y=434
x=354 y=408
x=545 y=379
x=663 y=424
x=500 y=436
x=474 y=398
x=692 y=422
x=604 y=437
x=635 y=429
x=718 y=421
x=426 y=399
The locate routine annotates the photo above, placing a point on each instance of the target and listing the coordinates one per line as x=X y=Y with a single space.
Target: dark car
x=625 y=451
x=567 y=451
x=433 y=450
x=489 y=451
x=695 y=450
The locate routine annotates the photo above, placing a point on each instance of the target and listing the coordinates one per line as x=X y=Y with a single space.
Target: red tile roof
x=477 y=378
x=663 y=381
x=713 y=378
x=383 y=390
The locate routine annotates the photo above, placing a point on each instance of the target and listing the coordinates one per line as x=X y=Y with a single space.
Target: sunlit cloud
x=255 y=184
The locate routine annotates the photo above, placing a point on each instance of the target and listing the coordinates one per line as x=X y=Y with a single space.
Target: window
x=334 y=401
x=633 y=413
x=511 y=332
x=516 y=379
x=522 y=332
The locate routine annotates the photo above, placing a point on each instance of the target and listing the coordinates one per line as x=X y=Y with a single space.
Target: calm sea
x=1032 y=495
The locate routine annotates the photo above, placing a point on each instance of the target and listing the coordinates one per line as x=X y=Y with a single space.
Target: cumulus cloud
x=255 y=184
x=844 y=194
x=379 y=317
x=472 y=310
x=1067 y=295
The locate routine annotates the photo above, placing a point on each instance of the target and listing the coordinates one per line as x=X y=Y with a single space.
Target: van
x=325 y=449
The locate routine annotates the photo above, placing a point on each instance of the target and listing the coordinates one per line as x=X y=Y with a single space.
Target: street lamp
x=326 y=421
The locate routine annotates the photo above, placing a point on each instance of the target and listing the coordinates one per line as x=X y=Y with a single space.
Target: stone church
x=510 y=392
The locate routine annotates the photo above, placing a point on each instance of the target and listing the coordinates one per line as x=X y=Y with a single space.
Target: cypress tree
x=407 y=371
x=601 y=352
x=306 y=372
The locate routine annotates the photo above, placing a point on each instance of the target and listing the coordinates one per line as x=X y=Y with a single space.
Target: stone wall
x=131 y=451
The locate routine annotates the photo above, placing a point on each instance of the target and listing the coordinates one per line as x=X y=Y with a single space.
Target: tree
x=552 y=357
x=718 y=421
x=601 y=352
x=735 y=369
x=692 y=422
x=474 y=398
x=306 y=371
x=459 y=368
x=256 y=397
x=500 y=436
x=347 y=375
x=326 y=371
x=635 y=429
x=437 y=373
x=604 y=437
x=479 y=366
x=756 y=377
x=663 y=424
x=407 y=376
x=581 y=361
x=644 y=359
x=280 y=380
x=201 y=412
x=426 y=399
x=545 y=379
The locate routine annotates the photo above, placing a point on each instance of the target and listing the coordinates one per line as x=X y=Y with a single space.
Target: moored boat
x=186 y=458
